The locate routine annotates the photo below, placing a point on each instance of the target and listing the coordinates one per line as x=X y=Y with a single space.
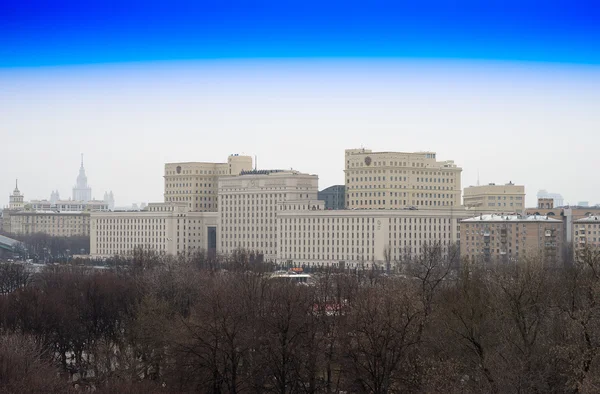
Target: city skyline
x=509 y=91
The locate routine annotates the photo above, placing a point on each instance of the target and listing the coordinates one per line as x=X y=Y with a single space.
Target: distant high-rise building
x=334 y=197
x=16 y=199
x=54 y=197
x=109 y=199
x=82 y=192
x=558 y=199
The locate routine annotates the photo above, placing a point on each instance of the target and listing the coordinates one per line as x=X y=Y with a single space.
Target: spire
x=82 y=160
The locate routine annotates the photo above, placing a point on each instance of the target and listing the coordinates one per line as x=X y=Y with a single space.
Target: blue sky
x=83 y=32
x=507 y=89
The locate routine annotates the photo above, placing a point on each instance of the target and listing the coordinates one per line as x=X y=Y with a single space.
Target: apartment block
x=587 y=233
x=196 y=183
x=395 y=180
x=508 y=198
x=508 y=238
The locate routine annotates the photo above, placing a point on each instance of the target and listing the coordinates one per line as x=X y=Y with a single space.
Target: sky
x=509 y=90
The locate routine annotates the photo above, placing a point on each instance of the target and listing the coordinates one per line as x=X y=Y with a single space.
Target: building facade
x=508 y=198
x=508 y=238
x=196 y=183
x=568 y=215
x=248 y=206
x=396 y=180
x=56 y=224
x=334 y=197
x=165 y=228
x=311 y=236
x=587 y=233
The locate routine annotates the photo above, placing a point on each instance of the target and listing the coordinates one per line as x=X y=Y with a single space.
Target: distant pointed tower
x=109 y=199
x=16 y=199
x=54 y=197
x=82 y=192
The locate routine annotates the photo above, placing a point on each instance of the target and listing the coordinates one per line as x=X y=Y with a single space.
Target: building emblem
x=368 y=160
x=178 y=169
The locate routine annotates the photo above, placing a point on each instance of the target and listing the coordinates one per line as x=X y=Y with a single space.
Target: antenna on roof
x=478 y=177
x=255 y=163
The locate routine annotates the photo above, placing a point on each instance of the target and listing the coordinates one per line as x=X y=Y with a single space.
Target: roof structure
x=588 y=219
x=7 y=243
x=510 y=218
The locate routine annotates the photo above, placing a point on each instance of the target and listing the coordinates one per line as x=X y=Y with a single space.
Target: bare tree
x=12 y=277
x=26 y=368
x=382 y=331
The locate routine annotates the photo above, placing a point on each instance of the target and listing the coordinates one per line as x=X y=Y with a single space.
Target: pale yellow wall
x=394 y=180
x=166 y=228
x=248 y=206
x=362 y=237
x=196 y=183
x=495 y=198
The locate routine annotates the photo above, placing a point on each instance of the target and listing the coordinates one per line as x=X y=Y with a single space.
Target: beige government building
x=396 y=204
x=395 y=180
x=165 y=228
x=508 y=198
x=277 y=213
x=362 y=238
x=249 y=204
x=196 y=183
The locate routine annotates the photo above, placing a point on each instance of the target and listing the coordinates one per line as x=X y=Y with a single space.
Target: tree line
x=44 y=247
x=182 y=325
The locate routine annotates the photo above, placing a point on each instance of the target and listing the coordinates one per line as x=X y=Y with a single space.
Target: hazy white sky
x=531 y=123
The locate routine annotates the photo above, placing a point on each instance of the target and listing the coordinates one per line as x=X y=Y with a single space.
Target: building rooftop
x=49 y=212
x=365 y=150
x=9 y=242
x=587 y=219
x=68 y=202
x=262 y=172
x=510 y=218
